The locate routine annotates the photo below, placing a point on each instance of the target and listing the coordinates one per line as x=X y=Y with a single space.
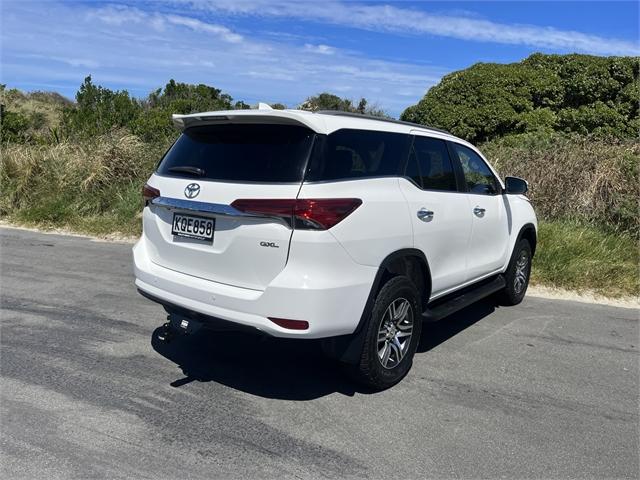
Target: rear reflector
x=290 y=324
x=304 y=213
x=149 y=193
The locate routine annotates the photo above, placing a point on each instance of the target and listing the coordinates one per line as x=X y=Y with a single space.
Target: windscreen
x=240 y=153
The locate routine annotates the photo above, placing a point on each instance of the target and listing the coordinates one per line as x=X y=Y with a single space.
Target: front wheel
x=517 y=274
x=392 y=335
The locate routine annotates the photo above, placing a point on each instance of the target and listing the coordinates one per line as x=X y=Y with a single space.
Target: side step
x=443 y=307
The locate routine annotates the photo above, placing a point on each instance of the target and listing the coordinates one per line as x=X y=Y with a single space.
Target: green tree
x=154 y=122
x=98 y=110
x=329 y=101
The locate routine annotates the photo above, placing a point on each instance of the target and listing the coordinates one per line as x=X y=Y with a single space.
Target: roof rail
x=341 y=113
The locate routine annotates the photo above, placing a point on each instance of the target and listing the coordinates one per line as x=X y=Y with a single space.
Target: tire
x=517 y=274
x=378 y=373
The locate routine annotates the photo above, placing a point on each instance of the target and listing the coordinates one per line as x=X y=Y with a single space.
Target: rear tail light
x=290 y=324
x=149 y=193
x=303 y=213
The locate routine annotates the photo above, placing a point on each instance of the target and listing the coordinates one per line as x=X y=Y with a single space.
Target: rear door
x=490 y=222
x=439 y=212
x=205 y=171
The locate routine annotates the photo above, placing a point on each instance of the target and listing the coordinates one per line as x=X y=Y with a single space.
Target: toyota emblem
x=192 y=190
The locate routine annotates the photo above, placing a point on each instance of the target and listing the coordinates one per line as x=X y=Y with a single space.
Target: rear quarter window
x=351 y=154
x=240 y=153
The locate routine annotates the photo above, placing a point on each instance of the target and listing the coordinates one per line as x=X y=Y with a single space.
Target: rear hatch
x=192 y=227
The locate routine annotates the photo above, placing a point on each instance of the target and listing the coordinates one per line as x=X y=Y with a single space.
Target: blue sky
x=283 y=51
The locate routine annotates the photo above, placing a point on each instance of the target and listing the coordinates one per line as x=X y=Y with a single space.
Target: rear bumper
x=323 y=286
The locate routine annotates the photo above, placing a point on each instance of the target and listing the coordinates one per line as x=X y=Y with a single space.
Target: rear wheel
x=517 y=274
x=392 y=335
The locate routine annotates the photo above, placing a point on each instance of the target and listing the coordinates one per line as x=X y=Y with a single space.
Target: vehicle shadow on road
x=436 y=333
x=281 y=368
x=263 y=366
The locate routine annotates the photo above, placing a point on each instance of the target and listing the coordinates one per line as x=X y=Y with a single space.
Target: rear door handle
x=479 y=212
x=425 y=215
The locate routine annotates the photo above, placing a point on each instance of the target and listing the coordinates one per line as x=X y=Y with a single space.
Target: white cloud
x=199 y=26
x=124 y=47
x=321 y=49
x=119 y=15
x=388 y=18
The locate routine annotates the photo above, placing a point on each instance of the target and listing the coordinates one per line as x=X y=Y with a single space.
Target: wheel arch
x=529 y=233
x=410 y=262
x=407 y=261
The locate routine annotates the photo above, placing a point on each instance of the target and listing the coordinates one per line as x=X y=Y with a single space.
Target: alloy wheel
x=520 y=277
x=394 y=334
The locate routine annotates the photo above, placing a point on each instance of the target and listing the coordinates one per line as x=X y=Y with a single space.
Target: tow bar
x=165 y=333
x=177 y=325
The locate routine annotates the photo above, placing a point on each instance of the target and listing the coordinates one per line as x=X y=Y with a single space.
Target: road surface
x=545 y=389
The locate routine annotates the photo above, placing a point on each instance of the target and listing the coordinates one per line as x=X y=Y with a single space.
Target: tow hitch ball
x=172 y=327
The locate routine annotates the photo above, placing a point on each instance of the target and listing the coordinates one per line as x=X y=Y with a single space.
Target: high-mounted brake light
x=149 y=193
x=303 y=213
x=290 y=324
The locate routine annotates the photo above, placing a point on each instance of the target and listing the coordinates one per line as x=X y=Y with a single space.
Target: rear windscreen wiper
x=186 y=169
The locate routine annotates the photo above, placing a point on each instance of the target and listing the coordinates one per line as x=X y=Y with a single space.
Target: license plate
x=191 y=226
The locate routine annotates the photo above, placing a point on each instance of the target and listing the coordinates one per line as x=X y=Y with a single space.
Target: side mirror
x=515 y=186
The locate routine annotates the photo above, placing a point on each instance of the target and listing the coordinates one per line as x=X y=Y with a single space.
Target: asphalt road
x=546 y=389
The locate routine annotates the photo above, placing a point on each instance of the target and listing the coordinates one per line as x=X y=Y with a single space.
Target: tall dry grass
x=589 y=180
x=94 y=186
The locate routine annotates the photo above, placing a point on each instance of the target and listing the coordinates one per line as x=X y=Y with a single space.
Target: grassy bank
x=583 y=257
x=91 y=187
x=585 y=193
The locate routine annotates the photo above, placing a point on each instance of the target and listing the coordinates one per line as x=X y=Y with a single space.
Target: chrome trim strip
x=215 y=208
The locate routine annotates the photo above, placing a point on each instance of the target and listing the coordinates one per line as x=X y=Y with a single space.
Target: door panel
x=439 y=213
x=490 y=231
x=489 y=235
x=444 y=237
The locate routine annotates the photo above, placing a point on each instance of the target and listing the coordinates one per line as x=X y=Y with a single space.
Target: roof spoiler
x=182 y=122
x=263 y=114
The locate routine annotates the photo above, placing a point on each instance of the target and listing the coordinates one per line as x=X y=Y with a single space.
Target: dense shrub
x=14 y=127
x=30 y=117
x=568 y=93
x=98 y=110
x=154 y=122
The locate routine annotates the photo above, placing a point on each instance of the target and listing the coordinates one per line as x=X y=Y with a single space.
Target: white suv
x=332 y=226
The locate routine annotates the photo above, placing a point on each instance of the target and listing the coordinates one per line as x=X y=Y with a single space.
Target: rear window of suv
x=240 y=153
x=350 y=154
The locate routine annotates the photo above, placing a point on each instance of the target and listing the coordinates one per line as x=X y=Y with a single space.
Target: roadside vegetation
x=568 y=124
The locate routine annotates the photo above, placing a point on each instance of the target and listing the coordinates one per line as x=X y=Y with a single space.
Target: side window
x=351 y=153
x=434 y=163
x=477 y=175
